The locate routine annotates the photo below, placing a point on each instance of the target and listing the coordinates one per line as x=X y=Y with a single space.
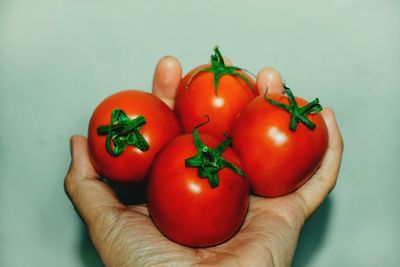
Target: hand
x=126 y=236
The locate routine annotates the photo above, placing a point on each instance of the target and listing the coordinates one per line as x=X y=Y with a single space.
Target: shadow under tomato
x=313 y=235
x=129 y=193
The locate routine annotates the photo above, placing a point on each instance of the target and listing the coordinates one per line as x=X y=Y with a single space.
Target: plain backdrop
x=59 y=58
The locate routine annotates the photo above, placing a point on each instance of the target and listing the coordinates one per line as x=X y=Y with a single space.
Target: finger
x=91 y=197
x=313 y=192
x=81 y=165
x=167 y=76
x=269 y=78
x=227 y=61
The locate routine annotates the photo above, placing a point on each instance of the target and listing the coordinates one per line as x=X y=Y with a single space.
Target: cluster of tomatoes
x=200 y=161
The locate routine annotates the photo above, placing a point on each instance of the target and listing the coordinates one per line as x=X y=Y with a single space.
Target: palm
x=270 y=226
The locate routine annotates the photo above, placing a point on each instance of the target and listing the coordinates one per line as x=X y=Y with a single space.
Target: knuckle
x=69 y=185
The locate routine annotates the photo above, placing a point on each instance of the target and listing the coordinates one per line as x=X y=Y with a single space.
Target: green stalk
x=123 y=132
x=297 y=114
x=219 y=69
x=209 y=161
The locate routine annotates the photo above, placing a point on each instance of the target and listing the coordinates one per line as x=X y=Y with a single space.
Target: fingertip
x=335 y=136
x=227 y=61
x=269 y=78
x=72 y=140
x=167 y=76
x=76 y=138
x=330 y=118
x=71 y=149
x=80 y=158
x=75 y=143
x=328 y=112
x=168 y=61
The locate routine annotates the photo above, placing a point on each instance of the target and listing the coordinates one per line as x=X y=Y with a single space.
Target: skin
x=126 y=236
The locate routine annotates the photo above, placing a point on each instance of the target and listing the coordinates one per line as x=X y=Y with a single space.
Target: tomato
x=197 y=200
x=126 y=130
x=216 y=90
x=280 y=150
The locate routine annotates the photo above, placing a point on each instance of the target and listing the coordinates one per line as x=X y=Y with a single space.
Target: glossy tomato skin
x=197 y=100
x=184 y=207
x=277 y=160
x=132 y=165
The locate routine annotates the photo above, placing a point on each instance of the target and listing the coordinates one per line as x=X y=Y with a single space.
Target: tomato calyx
x=297 y=114
x=122 y=132
x=219 y=69
x=209 y=161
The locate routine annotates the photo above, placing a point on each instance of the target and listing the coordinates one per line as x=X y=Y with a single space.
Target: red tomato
x=192 y=210
x=216 y=90
x=141 y=125
x=277 y=159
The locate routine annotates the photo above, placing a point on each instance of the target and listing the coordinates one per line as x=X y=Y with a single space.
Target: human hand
x=125 y=235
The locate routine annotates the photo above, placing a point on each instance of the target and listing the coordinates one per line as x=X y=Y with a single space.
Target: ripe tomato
x=280 y=150
x=216 y=90
x=194 y=200
x=125 y=132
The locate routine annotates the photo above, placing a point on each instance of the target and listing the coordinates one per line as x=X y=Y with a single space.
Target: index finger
x=167 y=76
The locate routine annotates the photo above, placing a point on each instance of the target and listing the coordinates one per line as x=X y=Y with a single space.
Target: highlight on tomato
x=214 y=90
x=281 y=141
x=197 y=193
x=125 y=132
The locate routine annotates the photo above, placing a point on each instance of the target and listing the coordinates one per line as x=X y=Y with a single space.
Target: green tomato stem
x=219 y=69
x=209 y=161
x=297 y=114
x=123 y=132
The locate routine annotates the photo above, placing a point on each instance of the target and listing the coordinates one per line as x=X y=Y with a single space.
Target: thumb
x=94 y=201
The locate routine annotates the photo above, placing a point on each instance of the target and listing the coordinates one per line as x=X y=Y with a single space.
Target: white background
x=59 y=58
